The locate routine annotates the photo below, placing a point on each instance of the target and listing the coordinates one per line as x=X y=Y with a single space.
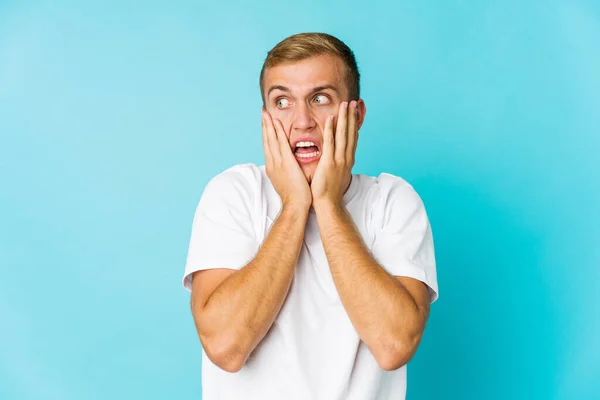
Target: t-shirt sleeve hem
x=412 y=271
x=189 y=271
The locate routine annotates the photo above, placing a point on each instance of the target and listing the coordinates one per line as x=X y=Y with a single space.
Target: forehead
x=302 y=76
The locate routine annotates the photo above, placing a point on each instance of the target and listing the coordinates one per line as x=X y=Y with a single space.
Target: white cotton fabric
x=312 y=351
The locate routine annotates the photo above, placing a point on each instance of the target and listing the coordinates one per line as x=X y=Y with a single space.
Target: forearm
x=382 y=310
x=240 y=311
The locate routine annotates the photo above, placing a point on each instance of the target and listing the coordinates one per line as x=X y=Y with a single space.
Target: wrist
x=295 y=208
x=326 y=206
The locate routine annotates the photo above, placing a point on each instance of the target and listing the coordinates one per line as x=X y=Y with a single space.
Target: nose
x=303 y=118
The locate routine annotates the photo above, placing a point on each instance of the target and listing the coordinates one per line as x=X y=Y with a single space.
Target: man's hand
x=282 y=167
x=334 y=171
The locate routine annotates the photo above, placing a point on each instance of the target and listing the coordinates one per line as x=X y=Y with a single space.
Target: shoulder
x=237 y=184
x=393 y=198
x=244 y=177
x=387 y=189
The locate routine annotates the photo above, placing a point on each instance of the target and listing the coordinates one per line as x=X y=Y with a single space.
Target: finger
x=352 y=133
x=340 y=132
x=273 y=140
x=265 y=138
x=284 y=144
x=328 y=139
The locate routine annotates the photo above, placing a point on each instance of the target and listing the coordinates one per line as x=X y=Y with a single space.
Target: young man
x=309 y=282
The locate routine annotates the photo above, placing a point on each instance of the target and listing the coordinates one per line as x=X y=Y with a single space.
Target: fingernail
x=345 y=104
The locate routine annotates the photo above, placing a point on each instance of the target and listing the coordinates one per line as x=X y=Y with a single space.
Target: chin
x=309 y=173
x=308 y=176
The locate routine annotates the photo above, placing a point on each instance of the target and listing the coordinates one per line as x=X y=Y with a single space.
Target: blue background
x=114 y=116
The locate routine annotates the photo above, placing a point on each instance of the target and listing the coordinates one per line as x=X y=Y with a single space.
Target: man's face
x=301 y=95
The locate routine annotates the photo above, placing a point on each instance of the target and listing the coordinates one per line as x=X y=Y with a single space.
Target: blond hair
x=305 y=45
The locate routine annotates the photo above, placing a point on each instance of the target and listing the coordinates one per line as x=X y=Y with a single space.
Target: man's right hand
x=233 y=311
x=282 y=168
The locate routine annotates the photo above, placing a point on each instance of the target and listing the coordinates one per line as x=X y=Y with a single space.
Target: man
x=309 y=282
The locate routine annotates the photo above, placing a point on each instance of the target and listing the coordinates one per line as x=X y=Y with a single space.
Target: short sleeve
x=403 y=242
x=222 y=230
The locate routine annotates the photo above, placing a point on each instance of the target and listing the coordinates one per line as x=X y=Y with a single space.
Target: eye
x=322 y=99
x=282 y=102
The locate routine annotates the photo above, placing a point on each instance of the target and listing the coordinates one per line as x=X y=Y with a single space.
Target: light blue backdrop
x=114 y=116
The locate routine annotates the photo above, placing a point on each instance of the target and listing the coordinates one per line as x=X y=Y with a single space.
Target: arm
x=235 y=317
x=233 y=311
x=388 y=313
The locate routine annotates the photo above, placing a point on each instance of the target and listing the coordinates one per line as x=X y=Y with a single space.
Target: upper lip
x=306 y=139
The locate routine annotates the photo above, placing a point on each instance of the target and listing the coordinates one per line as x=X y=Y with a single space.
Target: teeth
x=305 y=144
x=307 y=155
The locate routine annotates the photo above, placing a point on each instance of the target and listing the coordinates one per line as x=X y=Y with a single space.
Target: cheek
x=284 y=116
x=323 y=112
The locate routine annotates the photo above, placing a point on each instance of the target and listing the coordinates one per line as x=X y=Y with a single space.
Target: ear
x=362 y=111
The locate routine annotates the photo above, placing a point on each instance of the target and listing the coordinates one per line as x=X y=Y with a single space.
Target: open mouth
x=306 y=150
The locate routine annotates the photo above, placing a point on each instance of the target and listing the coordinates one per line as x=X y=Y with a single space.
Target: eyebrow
x=314 y=90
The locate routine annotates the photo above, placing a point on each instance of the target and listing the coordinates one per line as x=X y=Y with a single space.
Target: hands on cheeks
x=334 y=171
x=282 y=168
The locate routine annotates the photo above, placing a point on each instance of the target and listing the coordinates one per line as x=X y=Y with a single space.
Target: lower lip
x=308 y=160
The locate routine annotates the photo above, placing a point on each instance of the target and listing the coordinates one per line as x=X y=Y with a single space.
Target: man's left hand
x=334 y=171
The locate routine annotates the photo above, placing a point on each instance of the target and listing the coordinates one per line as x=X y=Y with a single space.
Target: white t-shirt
x=312 y=350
